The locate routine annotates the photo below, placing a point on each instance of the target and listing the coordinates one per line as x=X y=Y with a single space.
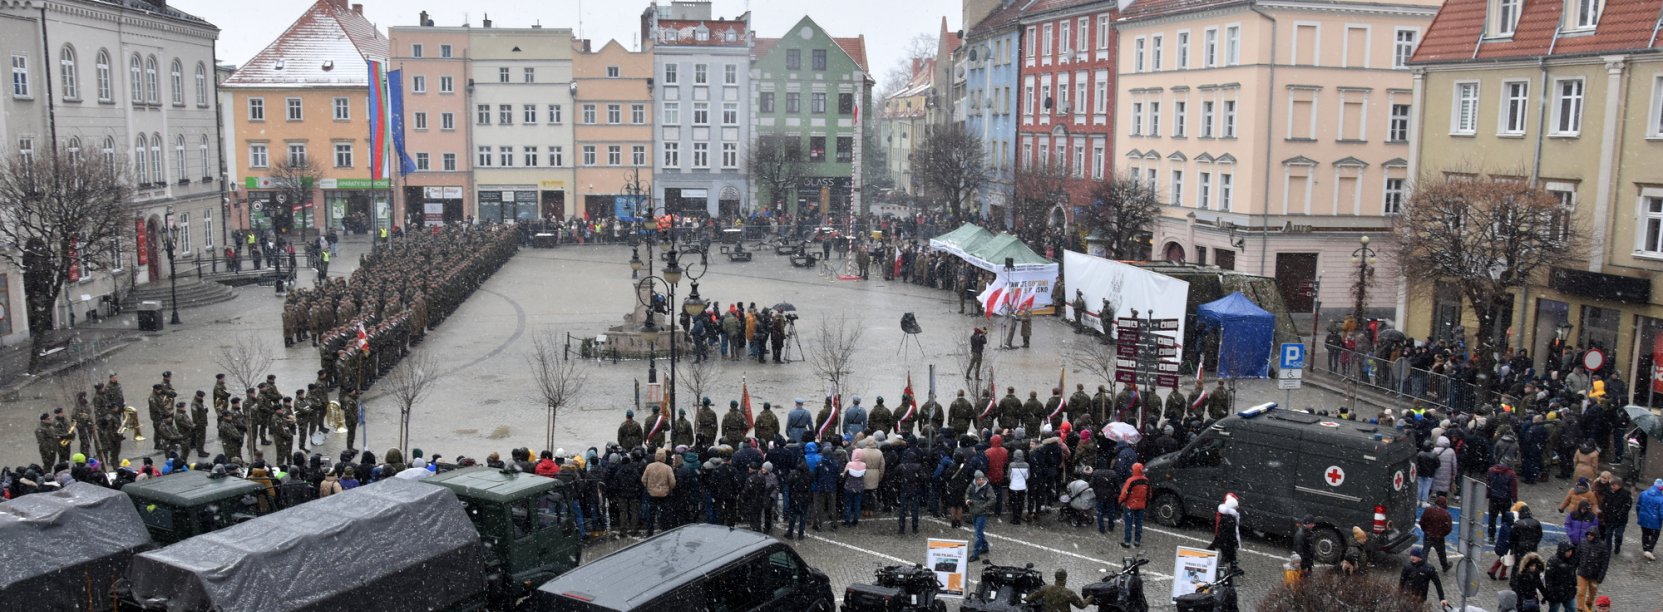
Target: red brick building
x=1066 y=120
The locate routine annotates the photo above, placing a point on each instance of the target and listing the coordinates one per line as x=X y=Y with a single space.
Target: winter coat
x=1435 y=522
x=854 y=421
x=1506 y=450
x=980 y=499
x=1446 y=465
x=1226 y=527
x=1648 y=512
x=1504 y=535
x=873 y=458
x=1417 y=577
x=1527 y=581
x=659 y=479
x=1579 y=493
x=1018 y=473
x=1587 y=462
x=1503 y=483
x=854 y=475
x=1592 y=559
x=997 y=457
x=1560 y=578
x=1527 y=533
x=1134 y=494
x=1613 y=506
x=1579 y=523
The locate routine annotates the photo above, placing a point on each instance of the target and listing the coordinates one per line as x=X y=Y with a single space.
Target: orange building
x=617 y=82
x=305 y=97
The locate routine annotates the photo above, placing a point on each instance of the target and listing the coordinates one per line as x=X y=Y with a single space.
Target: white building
x=522 y=93
x=701 y=89
x=124 y=79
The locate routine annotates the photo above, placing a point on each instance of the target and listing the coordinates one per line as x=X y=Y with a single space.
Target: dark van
x=694 y=567
x=1284 y=465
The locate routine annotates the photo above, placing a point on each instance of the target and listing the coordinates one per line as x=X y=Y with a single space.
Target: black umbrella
x=1645 y=419
x=1392 y=334
x=784 y=307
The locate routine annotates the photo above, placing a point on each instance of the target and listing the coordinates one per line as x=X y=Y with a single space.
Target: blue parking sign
x=1293 y=356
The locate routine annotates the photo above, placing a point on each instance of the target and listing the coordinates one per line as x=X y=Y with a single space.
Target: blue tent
x=1245 y=335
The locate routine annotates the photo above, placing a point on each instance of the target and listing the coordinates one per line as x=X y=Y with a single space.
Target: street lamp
x=171 y=238
x=1365 y=259
x=670 y=278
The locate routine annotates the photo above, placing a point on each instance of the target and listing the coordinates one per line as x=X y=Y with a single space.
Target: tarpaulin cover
x=988 y=251
x=60 y=550
x=1245 y=334
x=394 y=545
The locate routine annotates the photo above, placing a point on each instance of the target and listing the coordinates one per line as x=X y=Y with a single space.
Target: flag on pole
x=656 y=425
x=912 y=402
x=1062 y=390
x=380 y=120
x=1200 y=398
x=395 y=114
x=363 y=340
x=745 y=402
x=830 y=418
x=992 y=302
x=992 y=396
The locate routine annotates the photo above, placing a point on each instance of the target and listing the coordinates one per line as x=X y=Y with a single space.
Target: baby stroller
x=1078 y=504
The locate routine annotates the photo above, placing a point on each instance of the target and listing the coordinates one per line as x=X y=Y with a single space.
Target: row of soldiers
x=962 y=415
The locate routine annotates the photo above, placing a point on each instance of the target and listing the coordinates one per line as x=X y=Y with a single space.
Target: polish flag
x=830 y=418
x=992 y=396
x=1062 y=386
x=656 y=424
x=912 y=403
x=363 y=340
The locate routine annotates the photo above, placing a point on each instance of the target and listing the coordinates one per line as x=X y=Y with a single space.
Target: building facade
x=305 y=98
x=1068 y=101
x=523 y=90
x=1573 y=102
x=433 y=62
x=906 y=123
x=701 y=67
x=808 y=86
x=1275 y=134
x=617 y=150
x=991 y=55
x=132 y=82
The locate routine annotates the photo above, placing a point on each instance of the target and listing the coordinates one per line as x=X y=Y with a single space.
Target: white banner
x=1126 y=287
x=947 y=559
x=1191 y=567
x=1031 y=290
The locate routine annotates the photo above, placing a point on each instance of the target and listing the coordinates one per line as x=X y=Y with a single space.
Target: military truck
x=186 y=504
x=1285 y=465
x=64 y=549
x=464 y=540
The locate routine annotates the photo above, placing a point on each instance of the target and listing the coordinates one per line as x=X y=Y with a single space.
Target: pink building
x=436 y=122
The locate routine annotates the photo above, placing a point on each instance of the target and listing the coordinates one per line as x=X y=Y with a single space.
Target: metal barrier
x=1397 y=378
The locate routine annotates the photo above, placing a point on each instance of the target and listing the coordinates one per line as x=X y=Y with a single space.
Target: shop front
x=431 y=206
x=507 y=203
x=820 y=195
x=357 y=205
x=552 y=198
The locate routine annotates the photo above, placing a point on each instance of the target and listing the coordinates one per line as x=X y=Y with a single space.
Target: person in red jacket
x=1134 y=496
x=998 y=457
x=1435 y=526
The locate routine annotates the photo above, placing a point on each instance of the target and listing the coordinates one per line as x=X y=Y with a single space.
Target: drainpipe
x=1270 y=128
x=46 y=69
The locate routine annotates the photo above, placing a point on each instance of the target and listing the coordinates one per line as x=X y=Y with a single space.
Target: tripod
x=790 y=339
x=915 y=343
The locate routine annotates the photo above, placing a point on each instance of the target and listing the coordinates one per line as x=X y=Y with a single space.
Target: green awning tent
x=961 y=240
x=988 y=251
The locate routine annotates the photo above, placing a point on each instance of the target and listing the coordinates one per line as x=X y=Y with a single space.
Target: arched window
x=137 y=84
x=105 y=93
x=201 y=84
x=179 y=158
x=141 y=167
x=75 y=148
x=150 y=83
x=71 y=84
x=156 y=174
x=109 y=154
x=203 y=150
x=177 y=76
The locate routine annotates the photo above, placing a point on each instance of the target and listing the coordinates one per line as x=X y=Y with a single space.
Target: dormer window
x=1506 y=16
x=730 y=35
x=1585 y=13
x=701 y=33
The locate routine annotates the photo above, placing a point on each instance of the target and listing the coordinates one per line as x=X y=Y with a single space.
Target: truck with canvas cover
x=186 y=504
x=64 y=549
x=524 y=520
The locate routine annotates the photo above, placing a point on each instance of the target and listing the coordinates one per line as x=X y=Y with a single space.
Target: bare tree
x=60 y=213
x=1488 y=236
x=1335 y=591
x=293 y=181
x=1124 y=211
x=1097 y=358
x=246 y=361
x=921 y=46
x=408 y=383
x=699 y=377
x=833 y=355
x=558 y=377
x=776 y=164
x=1035 y=192
x=949 y=163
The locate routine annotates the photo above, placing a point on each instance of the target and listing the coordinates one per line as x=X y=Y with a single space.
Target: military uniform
x=159 y=410
x=1218 y=404
x=167 y=435
x=83 y=419
x=682 y=432
x=109 y=435
x=1079 y=405
x=221 y=395
x=1032 y=413
x=186 y=427
x=1176 y=403
x=879 y=418
x=282 y=433
x=961 y=415
x=767 y=424
x=1102 y=405
x=46 y=439
x=1053 y=405
x=1009 y=412
x=1151 y=410
x=705 y=425
x=349 y=408
x=629 y=433
x=231 y=435
x=1056 y=597
x=733 y=426
x=932 y=414
x=820 y=419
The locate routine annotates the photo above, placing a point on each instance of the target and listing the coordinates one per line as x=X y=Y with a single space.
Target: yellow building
x=1573 y=101
x=305 y=97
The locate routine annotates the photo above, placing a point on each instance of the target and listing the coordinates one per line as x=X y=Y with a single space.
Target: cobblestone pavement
x=484 y=399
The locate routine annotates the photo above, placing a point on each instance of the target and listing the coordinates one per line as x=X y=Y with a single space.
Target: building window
x=1063 y=46
x=1028 y=52
x=448 y=162
x=845 y=149
x=447 y=84
x=202 y=148
x=418 y=84
x=588 y=155
x=701 y=74
x=416 y=50
x=156 y=158
x=614 y=155
x=530 y=75
x=185 y=232
x=444 y=51
x=176 y=78
x=1137 y=54
x=1206 y=191
x=557 y=156
x=502 y=75
x=672 y=155
x=419 y=121
x=66 y=64
x=1397 y=126
x=201 y=85
x=638 y=114
x=297 y=154
x=484 y=157
x=1466 y=109
x=294 y=111
x=1651 y=212
x=817 y=103
x=140 y=156
x=1229 y=118
x=557 y=114
x=730 y=155
x=1209 y=48
x=423 y=163
x=20 y=76
x=670 y=74
x=1154 y=118
x=1100 y=103
x=1404 y=48
x=1045 y=44
x=447 y=121
x=614 y=114
x=528 y=114
x=730 y=113
x=531 y=156
x=701 y=155
x=505 y=156
x=818 y=57
x=612 y=72
x=106 y=92
x=1176 y=190
x=256 y=109
x=1232 y=48
x=672 y=113
x=1515 y=100
x=1226 y=185
x=258 y=156
x=638 y=155
x=765 y=102
x=1155 y=48
x=1393 y=203
x=816 y=148
x=505 y=114
x=1137 y=118
x=343 y=109
x=1507 y=17
x=135 y=80
x=1587 y=13
x=701 y=113
x=343 y=155
x=1567 y=107
x=588 y=114
x=1102 y=32
x=730 y=74
x=1080 y=160
x=793 y=59
x=1183 y=50
x=1207 y=119
x=150 y=80
x=1180 y=117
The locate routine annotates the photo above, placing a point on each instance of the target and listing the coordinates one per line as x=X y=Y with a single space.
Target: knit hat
x=1603 y=600
x=1417 y=552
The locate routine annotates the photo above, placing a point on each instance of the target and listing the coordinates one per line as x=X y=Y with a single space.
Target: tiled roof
x=951 y=40
x=1149 y=9
x=1045 y=6
x=854 y=47
x=717 y=27
x=1000 y=19
x=157 y=9
x=1455 y=35
x=326 y=47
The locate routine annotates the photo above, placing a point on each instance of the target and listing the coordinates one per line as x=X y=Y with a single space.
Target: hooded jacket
x=1560 y=578
x=1134 y=493
x=1527 y=582
x=1227 y=525
x=1648 y=512
x=1527 y=532
x=997 y=458
x=1435 y=521
x=1581 y=492
x=1580 y=522
x=658 y=478
x=1446 y=465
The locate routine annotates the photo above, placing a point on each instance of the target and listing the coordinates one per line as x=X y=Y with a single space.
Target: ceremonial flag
x=992 y=396
x=992 y=302
x=1062 y=394
x=830 y=418
x=380 y=123
x=1200 y=398
x=745 y=402
x=656 y=424
x=363 y=340
x=912 y=402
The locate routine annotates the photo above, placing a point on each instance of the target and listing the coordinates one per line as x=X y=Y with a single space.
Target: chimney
x=487 y=22
x=917 y=64
x=358 y=8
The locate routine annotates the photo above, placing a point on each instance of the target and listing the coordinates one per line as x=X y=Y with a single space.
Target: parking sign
x=1293 y=356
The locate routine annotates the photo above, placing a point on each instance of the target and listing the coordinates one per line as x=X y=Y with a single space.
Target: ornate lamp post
x=171 y=238
x=670 y=279
x=1365 y=259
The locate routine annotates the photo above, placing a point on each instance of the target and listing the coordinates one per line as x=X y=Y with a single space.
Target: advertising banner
x=1031 y=290
x=1125 y=287
x=1191 y=567
x=947 y=558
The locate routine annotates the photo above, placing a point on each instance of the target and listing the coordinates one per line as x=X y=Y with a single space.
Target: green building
x=812 y=91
